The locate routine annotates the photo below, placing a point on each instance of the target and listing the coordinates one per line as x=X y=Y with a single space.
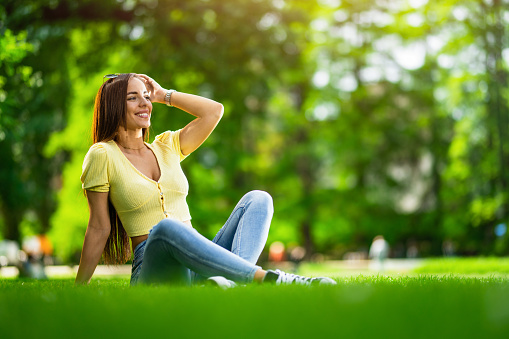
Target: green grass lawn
x=476 y=265
x=425 y=306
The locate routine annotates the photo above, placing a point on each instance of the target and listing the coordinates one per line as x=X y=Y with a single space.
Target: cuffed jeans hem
x=252 y=273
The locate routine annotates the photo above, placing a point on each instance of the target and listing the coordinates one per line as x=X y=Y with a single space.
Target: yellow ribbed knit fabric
x=140 y=202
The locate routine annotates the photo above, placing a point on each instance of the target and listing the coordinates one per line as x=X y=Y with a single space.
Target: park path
x=333 y=267
x=56 y=271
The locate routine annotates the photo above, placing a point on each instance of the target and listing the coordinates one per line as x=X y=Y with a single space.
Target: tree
x=13 y=200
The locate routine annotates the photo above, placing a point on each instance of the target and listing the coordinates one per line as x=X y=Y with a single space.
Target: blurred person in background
x=137 y=191
x=412 y=249
x=379 y=251
x=38 y=252
x=448 y=248
x=277 y=252
x=9 y=252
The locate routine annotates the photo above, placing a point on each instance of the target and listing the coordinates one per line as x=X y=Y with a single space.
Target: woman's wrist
x=167 y=97
x=159 y=98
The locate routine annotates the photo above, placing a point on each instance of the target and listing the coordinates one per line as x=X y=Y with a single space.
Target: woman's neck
x=132 y=140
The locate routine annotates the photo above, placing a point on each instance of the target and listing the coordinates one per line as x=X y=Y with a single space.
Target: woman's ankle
x=259 y=275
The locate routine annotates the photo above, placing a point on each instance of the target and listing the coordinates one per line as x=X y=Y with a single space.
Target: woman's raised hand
x=157 y=93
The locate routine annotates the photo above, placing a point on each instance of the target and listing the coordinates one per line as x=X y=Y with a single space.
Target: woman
x=138 y=190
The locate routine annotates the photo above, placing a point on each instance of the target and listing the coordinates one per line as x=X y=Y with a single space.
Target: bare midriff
x=140 y=238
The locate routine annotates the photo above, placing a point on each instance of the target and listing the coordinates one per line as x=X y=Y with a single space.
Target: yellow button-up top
x=139 y=201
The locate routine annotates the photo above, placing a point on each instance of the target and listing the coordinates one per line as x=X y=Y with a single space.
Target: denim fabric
x=174 y=252
x=137 y=260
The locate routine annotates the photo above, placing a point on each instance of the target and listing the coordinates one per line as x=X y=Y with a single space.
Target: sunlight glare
x=417 y=3
x=321 y=79
x=411 y=56
x=347 y=83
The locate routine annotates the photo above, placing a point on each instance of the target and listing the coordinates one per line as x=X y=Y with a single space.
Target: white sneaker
x=282 y=278
x=220 y=282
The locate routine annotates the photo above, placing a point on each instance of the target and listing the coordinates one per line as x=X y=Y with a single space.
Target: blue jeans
x=176 y=253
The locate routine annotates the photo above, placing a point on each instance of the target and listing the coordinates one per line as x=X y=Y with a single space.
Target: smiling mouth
x=143 y=115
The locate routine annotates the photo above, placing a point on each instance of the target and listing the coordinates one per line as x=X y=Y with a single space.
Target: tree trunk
x=12 y=218
x=500 y=103
x=496 y=105
x=306 y=172
x=305 y=229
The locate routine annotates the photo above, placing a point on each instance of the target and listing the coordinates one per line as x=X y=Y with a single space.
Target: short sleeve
x=171 y=139
x=94 y=176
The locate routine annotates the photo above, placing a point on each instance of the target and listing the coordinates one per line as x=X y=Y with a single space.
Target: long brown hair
x=109 y=116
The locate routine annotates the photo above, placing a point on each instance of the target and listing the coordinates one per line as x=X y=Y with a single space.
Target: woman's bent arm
x=95 y=238
x=207 y=112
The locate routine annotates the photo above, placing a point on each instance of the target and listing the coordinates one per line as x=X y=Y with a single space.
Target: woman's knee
x=166 y=227
x=261 y=197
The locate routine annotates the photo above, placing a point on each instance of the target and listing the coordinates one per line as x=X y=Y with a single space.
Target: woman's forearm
x=196 y=105
x=93 y=246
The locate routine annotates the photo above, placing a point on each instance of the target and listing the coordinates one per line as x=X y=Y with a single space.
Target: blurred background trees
x=359 y=117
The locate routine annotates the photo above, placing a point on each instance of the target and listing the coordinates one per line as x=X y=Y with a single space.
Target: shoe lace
x=289 y=278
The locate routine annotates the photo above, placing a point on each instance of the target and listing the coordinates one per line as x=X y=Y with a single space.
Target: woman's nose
x=144 y=101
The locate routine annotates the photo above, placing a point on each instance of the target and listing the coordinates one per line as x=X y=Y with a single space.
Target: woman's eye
x=131 y=98
x=147 y=97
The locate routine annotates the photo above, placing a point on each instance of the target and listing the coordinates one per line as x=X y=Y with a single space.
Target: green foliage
x=13 y=48
x=359 y=117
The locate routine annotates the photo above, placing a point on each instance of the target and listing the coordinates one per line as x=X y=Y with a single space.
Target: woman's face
x=139 y=107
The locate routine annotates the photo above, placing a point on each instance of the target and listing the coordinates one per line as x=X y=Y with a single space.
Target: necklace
x=130 y=147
